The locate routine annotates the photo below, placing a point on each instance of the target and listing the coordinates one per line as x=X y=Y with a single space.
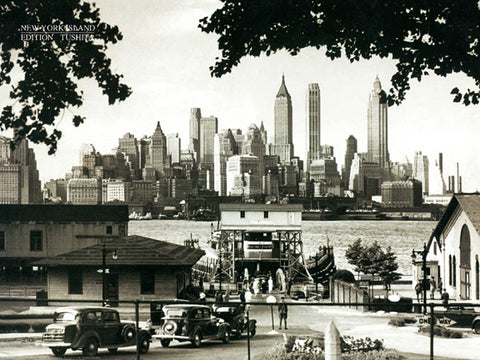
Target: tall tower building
x=158 y=151
x=420 y=170
x=174 y=146
x=283 y=145
x=314 y=151
x=194 y=145
x=263 y=134
x=378 y=126
x=253 y=145
x=349 y=155
x=225 y=147
x=128 y=146
x=208 y=129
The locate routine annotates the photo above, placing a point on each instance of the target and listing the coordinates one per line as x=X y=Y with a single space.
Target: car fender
x=252 y=324
x=222 y=328
x=146 y=333
x=476 y=319
x=79 y=343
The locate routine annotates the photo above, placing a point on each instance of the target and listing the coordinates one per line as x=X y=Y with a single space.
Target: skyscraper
x=314 y=151
x=283 y=145
x=253 y=145
x=420 y=170
x=349 y=155
x=194 y=145
x=208 y=129
x=378 y=126
x=128 y=146
x=174 y=145
x=157 y=157
x=224 y=148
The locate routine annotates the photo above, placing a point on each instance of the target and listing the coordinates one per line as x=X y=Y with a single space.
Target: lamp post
x=104 y=271
x=423 y=253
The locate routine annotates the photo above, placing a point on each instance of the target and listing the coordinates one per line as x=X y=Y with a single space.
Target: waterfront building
x=128 y=146
x=57 y=190
x=144 y=268
x=194 y=145
x=253 y=145
x=377 y=119
x=157 y=157
x=365 y=177
x=455 y=245
x=401 y=194
x=243 y=178
x=208 y=129
x=225 y=147
x=84 y=191
x=85 y=150
x=314 y=151
x=118 y=190
x=261 y=238
x=270 y=186
x=402 y=170
x=142 y=191
x=174 y=148
x=349 y=155
x=420 y=171
x=283 y=144
x=30 y=232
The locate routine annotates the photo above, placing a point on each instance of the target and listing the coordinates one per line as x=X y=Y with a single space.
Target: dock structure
x=260 y=239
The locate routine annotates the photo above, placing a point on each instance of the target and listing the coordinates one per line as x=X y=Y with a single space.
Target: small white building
x=455 y=243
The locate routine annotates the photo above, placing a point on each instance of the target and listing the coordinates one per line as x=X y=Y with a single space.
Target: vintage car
x=459 y=316
x=189 y=322
x=90 y=328
x=235 y=316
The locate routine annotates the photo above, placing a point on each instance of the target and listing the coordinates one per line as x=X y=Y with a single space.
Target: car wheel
x=128 y=333
x=165 y=342
x=226 y=336
x=253 y=331
x=476 y=327
x=144 y=345
x=112 y=350
x=58 y=351
x=91 y=347
x=197 y=339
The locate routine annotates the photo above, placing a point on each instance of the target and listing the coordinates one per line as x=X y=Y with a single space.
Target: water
x=402 y=236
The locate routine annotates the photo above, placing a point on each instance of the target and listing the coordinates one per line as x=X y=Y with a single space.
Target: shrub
x=350 y=344
x=441 y=331
x=279 y=352
x=387 y=354
x=397 y=322
x=344 y=275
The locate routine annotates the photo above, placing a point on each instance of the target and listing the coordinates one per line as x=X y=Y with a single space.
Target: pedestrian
x=283 y=313
x=445 y=297
x=226 y=297
x=305 y=290
x=243 y=299
x=255 y=286
x=418 y=290
x=270 y=285
x=433 y=287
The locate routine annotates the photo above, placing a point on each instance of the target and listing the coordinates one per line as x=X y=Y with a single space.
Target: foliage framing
x=51 y=69
x=423 y=36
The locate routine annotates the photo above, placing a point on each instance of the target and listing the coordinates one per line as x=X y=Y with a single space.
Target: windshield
x=65 y=317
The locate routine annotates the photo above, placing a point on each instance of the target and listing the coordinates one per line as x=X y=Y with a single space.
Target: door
x=112 y=289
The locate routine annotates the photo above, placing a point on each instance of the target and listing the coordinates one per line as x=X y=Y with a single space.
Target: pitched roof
x=132 y=250
x=283 y=89
x=10 y=212
x=261 y=207
x=470 y=204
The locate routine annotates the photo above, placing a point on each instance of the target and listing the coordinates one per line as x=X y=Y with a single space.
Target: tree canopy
x=50 y=69
x=424 y=37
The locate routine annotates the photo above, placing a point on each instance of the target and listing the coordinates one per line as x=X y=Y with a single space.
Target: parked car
x=189 y=322
x=235 y=316
x=90 y=328
x=462 y=316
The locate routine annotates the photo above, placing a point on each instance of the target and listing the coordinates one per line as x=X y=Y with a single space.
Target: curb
x=20 y=337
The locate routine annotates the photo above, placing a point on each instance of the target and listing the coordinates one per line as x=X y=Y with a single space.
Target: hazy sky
x=165 y=59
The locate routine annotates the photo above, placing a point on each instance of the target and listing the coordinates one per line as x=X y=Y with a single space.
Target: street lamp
x=423 y=253
x=104 y=271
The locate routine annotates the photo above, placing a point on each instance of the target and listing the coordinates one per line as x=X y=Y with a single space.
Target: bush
x=441 y=331
x=388 y=354
x=279 y=352
x=350 y=344
x=397 y=322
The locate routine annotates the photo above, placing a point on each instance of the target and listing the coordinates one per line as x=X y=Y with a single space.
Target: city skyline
x=165 y=58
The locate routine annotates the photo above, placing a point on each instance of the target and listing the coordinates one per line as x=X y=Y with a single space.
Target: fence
x=429 y=317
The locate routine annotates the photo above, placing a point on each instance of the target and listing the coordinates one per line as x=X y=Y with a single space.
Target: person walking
x=433 y=287
x=283 y=313
x=445 y=297
x=418 y=290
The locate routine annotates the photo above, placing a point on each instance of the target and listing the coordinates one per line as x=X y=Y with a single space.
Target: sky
x=165 y=58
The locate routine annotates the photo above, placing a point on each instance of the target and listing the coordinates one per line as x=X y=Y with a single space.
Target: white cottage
x=455 y=242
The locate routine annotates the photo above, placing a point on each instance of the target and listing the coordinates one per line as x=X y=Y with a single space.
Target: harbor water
x=401 y=236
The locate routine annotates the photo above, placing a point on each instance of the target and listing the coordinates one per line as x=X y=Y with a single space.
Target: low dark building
x=142 y=268
x=402 y=194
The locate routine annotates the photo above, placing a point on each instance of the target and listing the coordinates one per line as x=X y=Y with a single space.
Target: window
x=36 y=238
x=265 y=214
x=75 y=281
x=242 y=214
x=109 y=229
x=147 y=282
x=110 y=317
x=2 y=240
